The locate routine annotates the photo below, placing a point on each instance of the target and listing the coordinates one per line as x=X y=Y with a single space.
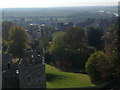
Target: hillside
x=58 y=79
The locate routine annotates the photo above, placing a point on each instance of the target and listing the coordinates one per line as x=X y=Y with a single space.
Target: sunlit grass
x=58 y=79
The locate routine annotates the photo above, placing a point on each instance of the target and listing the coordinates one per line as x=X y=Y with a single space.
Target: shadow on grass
x=52 y=77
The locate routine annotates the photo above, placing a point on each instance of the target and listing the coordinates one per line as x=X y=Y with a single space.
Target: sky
x=55 y=3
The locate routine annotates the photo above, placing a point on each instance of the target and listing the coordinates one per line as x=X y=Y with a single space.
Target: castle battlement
x=30 y=72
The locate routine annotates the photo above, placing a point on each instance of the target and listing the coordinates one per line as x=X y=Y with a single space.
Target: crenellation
x=34 y=72
x=29 y=73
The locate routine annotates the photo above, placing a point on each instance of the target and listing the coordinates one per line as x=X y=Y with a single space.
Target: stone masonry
x=29 y=73
x=32 y=70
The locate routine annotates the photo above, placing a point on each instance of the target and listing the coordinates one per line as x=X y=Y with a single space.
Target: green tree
x=99 y=68
x=118 y=48
x=49 y=31
x=44 y=43
x=18 y=41
x=93 y=37
x=70 y=46
x=57 y=48
x=5 y=29
x=74 y=39
x=112 y=48
x=75 y=44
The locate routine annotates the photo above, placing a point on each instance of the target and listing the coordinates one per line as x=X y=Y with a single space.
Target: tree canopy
x=57 y=47
x=99 y=68
x=74 y=38
x=93 y=37
x=18 y=41
x=5 y=29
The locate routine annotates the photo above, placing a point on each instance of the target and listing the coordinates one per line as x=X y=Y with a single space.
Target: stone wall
x=32 y=76
x=9 y=77
x=32 y=70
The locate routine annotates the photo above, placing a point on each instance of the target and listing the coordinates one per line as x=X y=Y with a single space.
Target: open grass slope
x=58 y=79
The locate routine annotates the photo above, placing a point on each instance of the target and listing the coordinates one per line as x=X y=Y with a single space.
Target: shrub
x=99 y=68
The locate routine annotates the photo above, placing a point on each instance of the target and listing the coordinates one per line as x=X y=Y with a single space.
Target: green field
x=58 y=79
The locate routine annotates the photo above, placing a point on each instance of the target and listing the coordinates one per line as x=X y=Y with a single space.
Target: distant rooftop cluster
x=102 y=12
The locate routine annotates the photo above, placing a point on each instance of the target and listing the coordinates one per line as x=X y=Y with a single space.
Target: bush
x=99 y=68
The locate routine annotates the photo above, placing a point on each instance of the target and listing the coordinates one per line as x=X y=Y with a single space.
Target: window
x=29 y=78
x=8 y=65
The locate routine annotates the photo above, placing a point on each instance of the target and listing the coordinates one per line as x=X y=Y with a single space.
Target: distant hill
x=58 y=11
x=25 y=16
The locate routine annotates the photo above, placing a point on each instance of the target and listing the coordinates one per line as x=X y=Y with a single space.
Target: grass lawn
x=58 y=79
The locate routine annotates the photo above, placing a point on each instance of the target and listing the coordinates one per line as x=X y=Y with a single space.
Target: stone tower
x=32 y=70
x=10 y=78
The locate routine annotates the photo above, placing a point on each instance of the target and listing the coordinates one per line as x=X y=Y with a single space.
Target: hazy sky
x=55 y=3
